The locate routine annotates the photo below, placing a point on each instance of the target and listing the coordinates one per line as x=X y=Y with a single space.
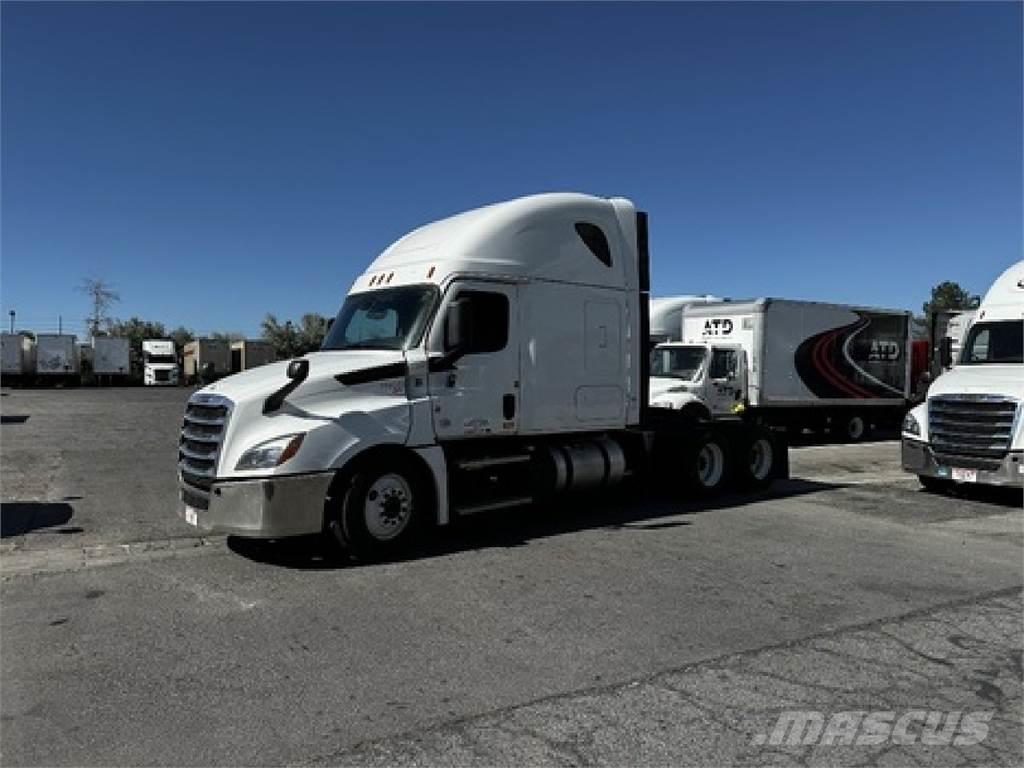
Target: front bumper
x=263 y=508
x=919 y=459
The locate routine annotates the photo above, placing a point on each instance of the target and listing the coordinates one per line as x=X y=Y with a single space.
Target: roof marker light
x=430 y=272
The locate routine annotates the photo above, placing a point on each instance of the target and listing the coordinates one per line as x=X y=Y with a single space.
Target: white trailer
x=251 y=353
x=206 y=360
x=159 y=363
x=111 y=358
x=483 y=361
x=788 y=363
x=57 y=359
x=17 y=358
x=971 y=428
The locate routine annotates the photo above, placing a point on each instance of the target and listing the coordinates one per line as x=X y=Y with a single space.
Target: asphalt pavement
x=610 y=631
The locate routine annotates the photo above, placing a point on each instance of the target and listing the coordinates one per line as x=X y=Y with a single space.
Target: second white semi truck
x=484 y=361
x=159 y=363
x=787 y=363
x=971 y=427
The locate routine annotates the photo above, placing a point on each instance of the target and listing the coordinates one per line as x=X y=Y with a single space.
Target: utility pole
x=60 y=325
x=12 y=320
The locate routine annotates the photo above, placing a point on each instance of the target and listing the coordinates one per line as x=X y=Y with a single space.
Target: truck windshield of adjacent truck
x=678 y=362
x=997 y=343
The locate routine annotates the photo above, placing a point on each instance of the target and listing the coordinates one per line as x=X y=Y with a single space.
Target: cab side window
x=488 y=314
x=723 y=364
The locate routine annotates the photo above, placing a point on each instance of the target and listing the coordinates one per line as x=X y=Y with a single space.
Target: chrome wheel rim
x=387 y=507
x=710 y=465
x=760 y=458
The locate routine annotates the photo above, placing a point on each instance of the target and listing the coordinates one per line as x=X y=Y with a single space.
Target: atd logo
x=884 y=351
x=718 y=327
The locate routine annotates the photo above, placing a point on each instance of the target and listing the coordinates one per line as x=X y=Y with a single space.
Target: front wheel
x=381 y=511
x=856 y=428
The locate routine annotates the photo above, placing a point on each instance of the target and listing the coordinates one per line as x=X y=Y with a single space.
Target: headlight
x=910 y=425
x=272 y=453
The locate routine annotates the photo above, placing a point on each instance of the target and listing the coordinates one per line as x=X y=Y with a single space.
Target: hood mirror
x=298 y=371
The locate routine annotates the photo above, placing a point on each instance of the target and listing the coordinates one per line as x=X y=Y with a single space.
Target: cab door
x=474 y=368
x=727 y=380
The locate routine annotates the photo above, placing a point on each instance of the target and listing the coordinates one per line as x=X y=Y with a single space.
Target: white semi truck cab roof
x=1005 y=299
x=538 y=237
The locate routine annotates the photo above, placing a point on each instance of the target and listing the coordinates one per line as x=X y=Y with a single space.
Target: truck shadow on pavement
x=624 y=510
x=20 y=517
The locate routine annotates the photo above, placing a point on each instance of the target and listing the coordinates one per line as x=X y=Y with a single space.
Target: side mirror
x=298 y=369
x=946 y=352
x=458 y=327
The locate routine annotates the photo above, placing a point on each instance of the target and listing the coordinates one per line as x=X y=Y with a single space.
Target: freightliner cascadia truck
x=971 y=429
x=492 y=359
x=788 y=363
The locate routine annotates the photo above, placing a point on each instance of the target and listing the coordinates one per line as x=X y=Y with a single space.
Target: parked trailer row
x=49 y=359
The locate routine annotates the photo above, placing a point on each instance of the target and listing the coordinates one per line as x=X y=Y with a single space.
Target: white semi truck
x=159 y=363
x=484 y=361
x=788 y=363
x=970 y=429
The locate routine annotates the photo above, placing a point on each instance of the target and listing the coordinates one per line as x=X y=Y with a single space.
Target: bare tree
x=102 y=295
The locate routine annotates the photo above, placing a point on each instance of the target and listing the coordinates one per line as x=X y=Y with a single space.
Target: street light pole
x=12 y=320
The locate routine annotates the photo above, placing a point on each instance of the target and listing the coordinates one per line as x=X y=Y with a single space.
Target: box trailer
x=111 y=357
x=57 y=358
x=251 y=353
x=206 y=360
x=789 y=363
x=17 y=358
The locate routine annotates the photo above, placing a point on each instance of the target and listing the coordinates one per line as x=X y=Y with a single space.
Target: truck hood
x=662 y=384
x=1006 y=380
x=323 y=368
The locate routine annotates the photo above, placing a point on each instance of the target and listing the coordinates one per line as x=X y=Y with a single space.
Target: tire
x=856 y=428
x=382 y=510
x=757 y=462
x=708 y=469
x=933 y=484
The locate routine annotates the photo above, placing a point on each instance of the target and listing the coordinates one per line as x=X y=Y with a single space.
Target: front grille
x=973 y=432
x=206 y=418
x=161 y=375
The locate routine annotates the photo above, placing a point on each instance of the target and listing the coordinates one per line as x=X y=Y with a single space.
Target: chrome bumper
x=919 y=459
x=263 y=508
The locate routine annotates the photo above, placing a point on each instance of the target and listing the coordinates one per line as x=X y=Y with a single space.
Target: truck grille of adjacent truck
x=201 y=435
x=971 y=432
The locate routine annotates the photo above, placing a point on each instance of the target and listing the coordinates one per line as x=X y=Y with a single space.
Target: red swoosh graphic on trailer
x=829 y=371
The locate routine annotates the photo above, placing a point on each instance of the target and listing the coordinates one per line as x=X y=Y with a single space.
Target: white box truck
x=480 y=362
x=57 y=359
x=159 y=363
x=206 y=360
x=111 y=358
x=970 y=429
x=251 y=353
x=667 y=315
x=17 y=358
x=787 y=363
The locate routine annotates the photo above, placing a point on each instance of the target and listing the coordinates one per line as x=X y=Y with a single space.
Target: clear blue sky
x=216 y=162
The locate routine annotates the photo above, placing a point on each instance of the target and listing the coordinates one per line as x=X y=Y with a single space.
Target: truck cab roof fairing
x=533 y=237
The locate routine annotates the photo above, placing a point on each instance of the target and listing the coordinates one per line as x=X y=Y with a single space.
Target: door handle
x=508 y=406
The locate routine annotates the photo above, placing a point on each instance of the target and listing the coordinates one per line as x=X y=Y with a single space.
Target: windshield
x=997 y=342
x=677 y=362
x=392 y=318
x=151 y=358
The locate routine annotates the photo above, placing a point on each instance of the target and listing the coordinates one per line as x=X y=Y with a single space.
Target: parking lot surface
x=616 y=631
